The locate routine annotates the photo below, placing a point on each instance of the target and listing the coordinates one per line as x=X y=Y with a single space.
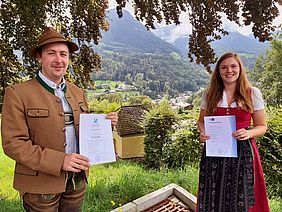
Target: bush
x=186 y=147
x=141 y=100
x=270 y=148
x=104 y=106
x=168 y=142
x=158 y=129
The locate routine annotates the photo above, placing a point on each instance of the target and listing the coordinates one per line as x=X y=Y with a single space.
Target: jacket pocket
x=38 y=112
x=21 y=169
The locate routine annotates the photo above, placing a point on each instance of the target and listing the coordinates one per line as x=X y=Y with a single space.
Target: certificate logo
x=95 y=121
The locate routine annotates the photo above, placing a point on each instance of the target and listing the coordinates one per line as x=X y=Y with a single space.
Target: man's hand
x=75 y=163
x=113 y=117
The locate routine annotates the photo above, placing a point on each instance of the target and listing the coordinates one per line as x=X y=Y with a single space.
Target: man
x=40 y=122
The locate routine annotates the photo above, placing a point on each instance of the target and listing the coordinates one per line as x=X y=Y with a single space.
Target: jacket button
x=64 y=129
x=61 y=113
x=65 y=144
x=58 y=100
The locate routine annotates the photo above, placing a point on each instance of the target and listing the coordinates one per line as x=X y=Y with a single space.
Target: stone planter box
x=169 y=192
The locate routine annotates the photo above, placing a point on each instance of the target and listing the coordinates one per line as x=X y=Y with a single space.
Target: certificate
x=221 y=142
x=96 y=139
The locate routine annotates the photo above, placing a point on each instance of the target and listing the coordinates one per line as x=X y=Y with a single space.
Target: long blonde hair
x=242 y=95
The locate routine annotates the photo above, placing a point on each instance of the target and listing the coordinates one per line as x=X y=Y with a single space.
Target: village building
x=129 y=133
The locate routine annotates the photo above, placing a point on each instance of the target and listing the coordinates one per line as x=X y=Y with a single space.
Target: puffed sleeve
x=257 y=98
x=203 y=101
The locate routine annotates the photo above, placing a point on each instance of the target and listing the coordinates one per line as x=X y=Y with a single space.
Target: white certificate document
x=221 y=142
x=96 y=139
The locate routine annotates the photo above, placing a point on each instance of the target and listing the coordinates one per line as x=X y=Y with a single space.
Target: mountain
x=234 y=42
x=132 y=54
x=237 y=42
x=127 y=35
x=182 y=44
x=248 y=47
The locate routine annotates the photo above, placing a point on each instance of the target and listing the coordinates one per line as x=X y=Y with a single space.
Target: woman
x=226 y=183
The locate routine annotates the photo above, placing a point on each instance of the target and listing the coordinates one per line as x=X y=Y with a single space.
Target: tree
x=158 y=129
x=141 y=100
x=138 y=81
x=10 y=68
x=270 y=149
x=128 y=79
x=21 y=22
x=205 y=17
x=267 y=74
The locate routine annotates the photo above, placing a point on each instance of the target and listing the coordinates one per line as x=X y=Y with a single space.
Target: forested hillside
x=153 y=74
x=135 y=55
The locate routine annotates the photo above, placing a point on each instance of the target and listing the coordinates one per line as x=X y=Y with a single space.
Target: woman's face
x=229 y=70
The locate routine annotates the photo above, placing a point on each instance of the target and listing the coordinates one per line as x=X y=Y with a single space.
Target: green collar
x=47 y=87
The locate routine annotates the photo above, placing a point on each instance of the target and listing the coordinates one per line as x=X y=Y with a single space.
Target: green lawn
x=9 y=198
x=111 y=185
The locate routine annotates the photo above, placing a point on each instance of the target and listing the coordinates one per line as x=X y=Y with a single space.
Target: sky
x=185 y=27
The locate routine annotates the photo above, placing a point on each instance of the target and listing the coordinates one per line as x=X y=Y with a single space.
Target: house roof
x=129 y=119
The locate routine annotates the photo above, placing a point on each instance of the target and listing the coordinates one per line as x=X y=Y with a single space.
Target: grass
x=115 y=184
x=112 y=185
x=9 y=198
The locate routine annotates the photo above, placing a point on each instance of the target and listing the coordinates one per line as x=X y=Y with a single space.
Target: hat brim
x=71 y=45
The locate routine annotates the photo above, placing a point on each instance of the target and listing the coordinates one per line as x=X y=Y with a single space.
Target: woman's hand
x=113 y=117
x=201 y=127
x=241 y=134
x=204 y=137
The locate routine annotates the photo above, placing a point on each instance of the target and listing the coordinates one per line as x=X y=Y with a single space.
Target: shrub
x=142 y=100
x=186 y=147
x=104 y=106
x=170 y=143
x=270 y=148
x=158 y=128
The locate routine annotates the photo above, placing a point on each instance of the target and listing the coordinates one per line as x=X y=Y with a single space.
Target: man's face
x=54 y=60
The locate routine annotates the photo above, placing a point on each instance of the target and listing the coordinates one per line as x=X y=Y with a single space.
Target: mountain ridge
x=127 y=35
x=234 y=42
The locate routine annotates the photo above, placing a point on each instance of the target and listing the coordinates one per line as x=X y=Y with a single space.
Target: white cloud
x=180 y=31
x=231 y=26
x=278 y=20
x=183 y=29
